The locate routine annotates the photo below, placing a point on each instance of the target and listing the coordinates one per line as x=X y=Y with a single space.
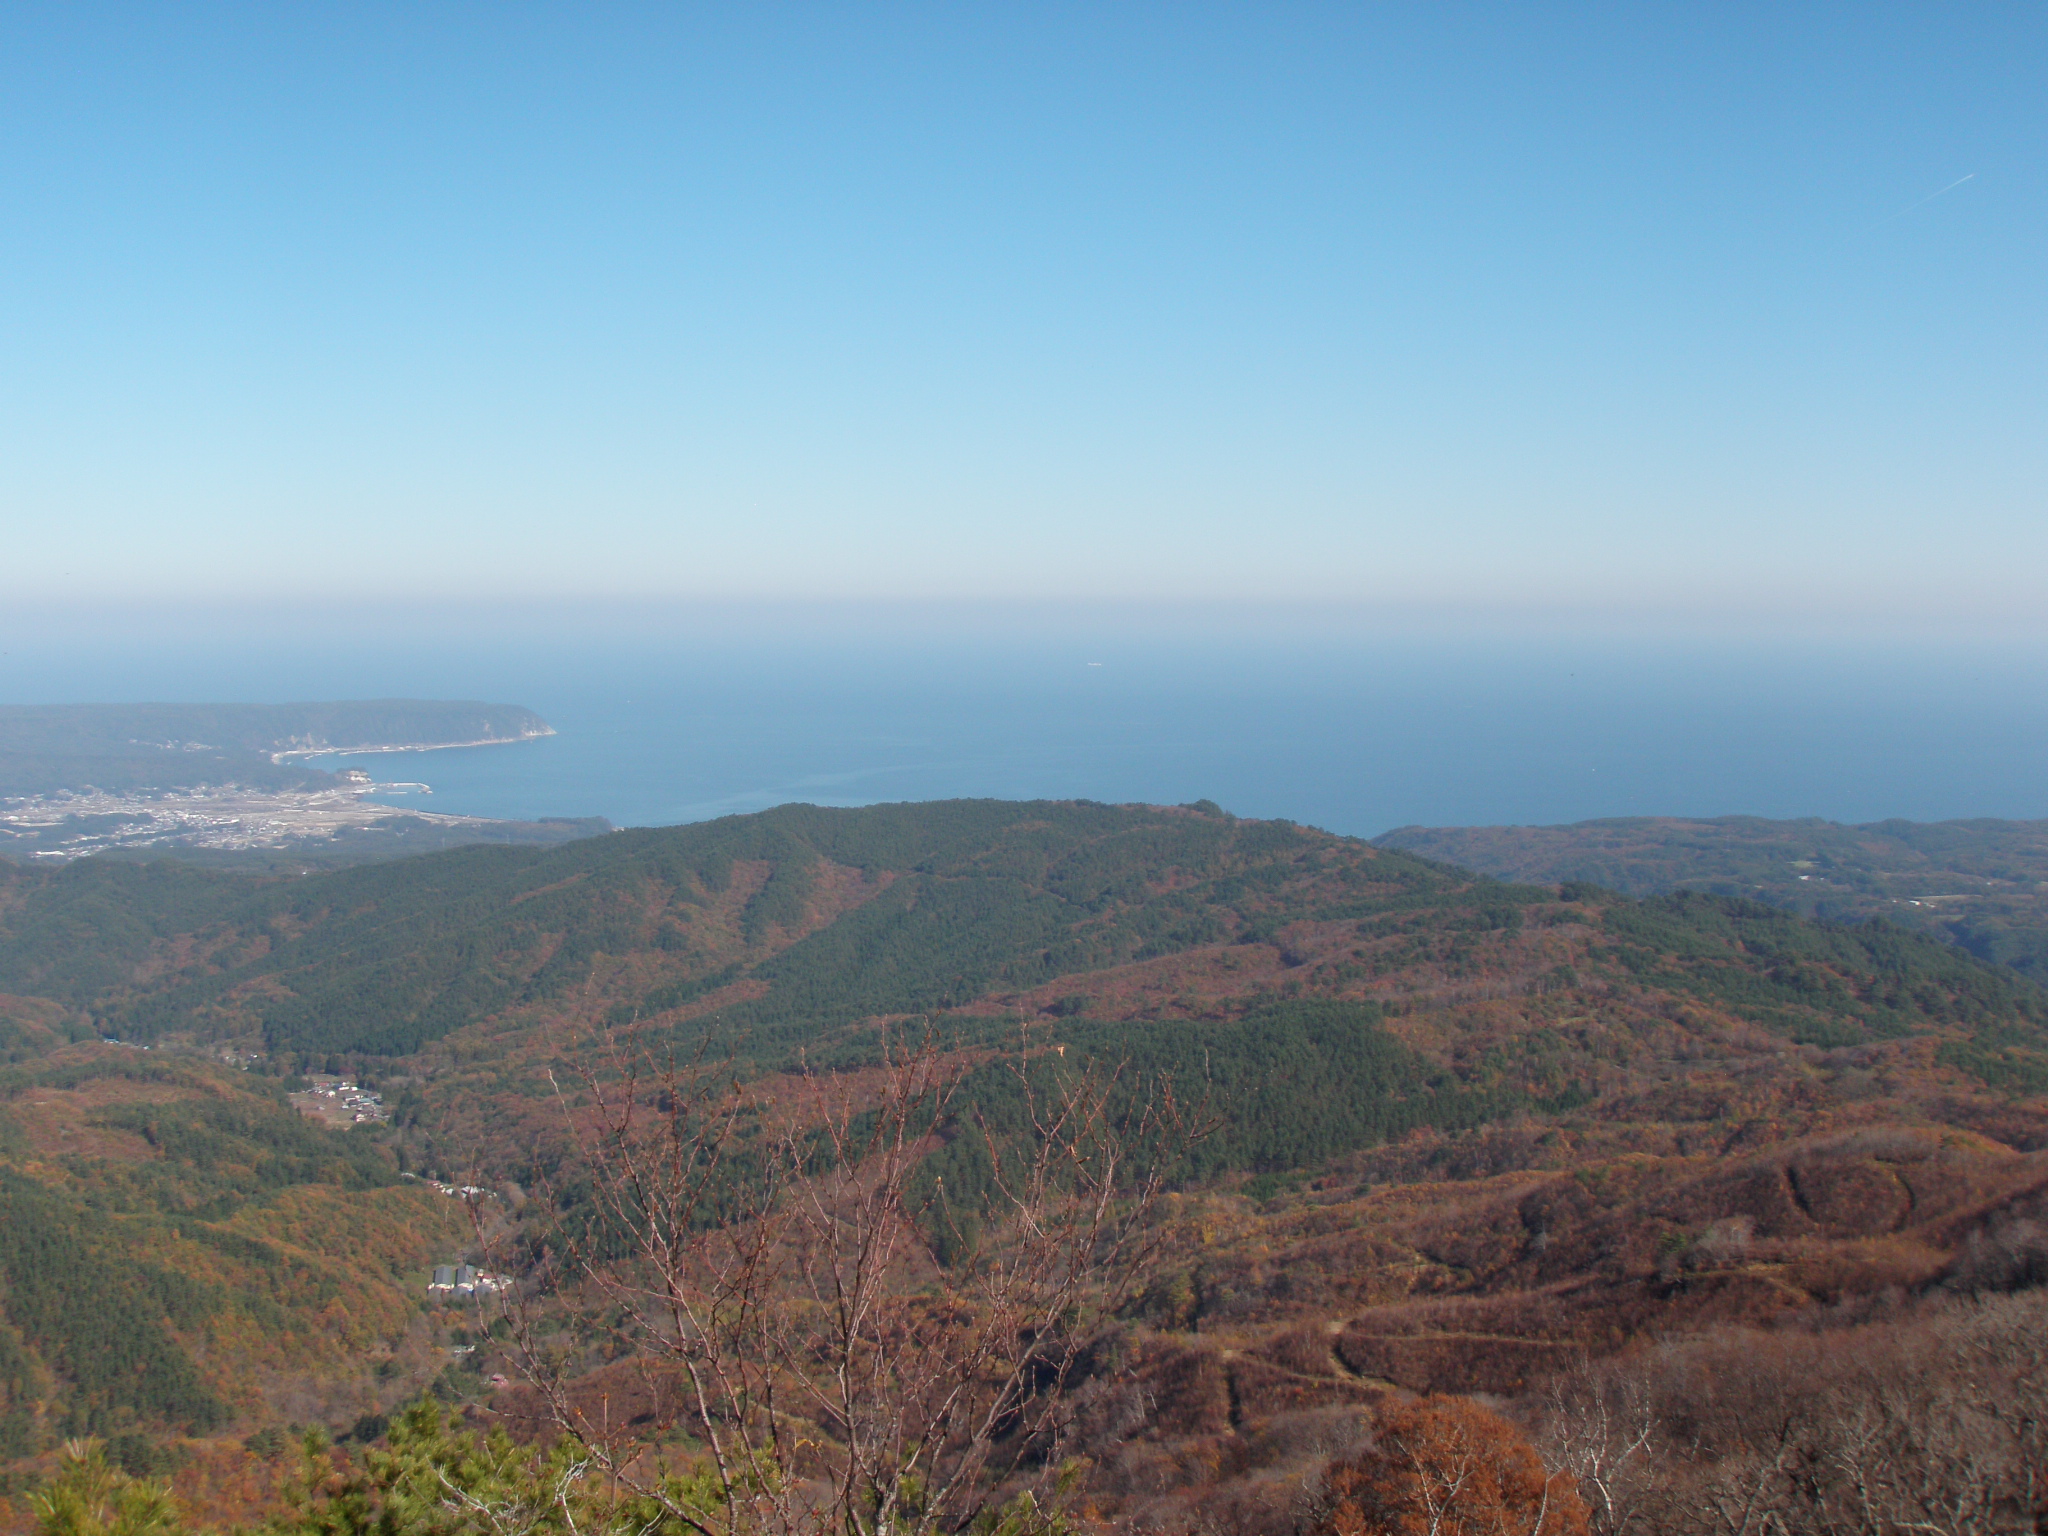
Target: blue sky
x=1668 y=310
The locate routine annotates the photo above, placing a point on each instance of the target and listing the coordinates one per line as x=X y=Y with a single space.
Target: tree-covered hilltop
x=46 y=748
x=1982 y=884
x=790 y=930
x=831 y=916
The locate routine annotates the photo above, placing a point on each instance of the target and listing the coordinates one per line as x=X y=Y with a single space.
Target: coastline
x=222 y=818
x=411 y=746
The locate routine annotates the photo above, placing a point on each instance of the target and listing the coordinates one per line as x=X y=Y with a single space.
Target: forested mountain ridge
x=831 y=915
x=1983 y=884
x=791 y=929
x=1467 y=1131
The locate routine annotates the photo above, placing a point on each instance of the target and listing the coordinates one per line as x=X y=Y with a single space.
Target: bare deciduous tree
x=765 y=1262
x=1936 y=1425
x=1602 y=1429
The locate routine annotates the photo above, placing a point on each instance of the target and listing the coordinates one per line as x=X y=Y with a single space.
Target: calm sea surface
x=1354 y=733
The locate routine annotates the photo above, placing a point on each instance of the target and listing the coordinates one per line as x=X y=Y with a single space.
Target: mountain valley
x=1466 y=1136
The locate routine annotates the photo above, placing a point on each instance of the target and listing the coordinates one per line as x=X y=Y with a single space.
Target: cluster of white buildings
x=460 y=1282
x=359 y=1102
x=465 y=1191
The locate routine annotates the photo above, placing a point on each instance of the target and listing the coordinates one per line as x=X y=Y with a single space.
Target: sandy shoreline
x=411 y=746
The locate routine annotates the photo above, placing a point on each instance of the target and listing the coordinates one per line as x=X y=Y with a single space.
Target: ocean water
x=1354 y=731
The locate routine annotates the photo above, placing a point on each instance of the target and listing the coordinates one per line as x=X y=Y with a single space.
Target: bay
x=1356 y=731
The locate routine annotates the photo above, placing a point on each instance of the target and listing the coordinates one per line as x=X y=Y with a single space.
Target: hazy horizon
x=1357 y=729
x=1368 y=416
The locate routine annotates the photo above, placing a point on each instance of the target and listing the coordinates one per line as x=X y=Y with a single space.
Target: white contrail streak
x=1930 y=197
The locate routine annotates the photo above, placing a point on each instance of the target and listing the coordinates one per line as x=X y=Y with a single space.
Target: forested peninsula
x=231 y=784
x=47 y=748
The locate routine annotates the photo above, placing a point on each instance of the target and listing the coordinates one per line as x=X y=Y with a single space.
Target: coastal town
x=74 y=824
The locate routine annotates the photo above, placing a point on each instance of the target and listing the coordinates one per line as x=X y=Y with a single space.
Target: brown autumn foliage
x=1444 y=1466
x=848 y=1352
x=1723 y=1183
x=1933 y=1421
x=1624 y=1259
